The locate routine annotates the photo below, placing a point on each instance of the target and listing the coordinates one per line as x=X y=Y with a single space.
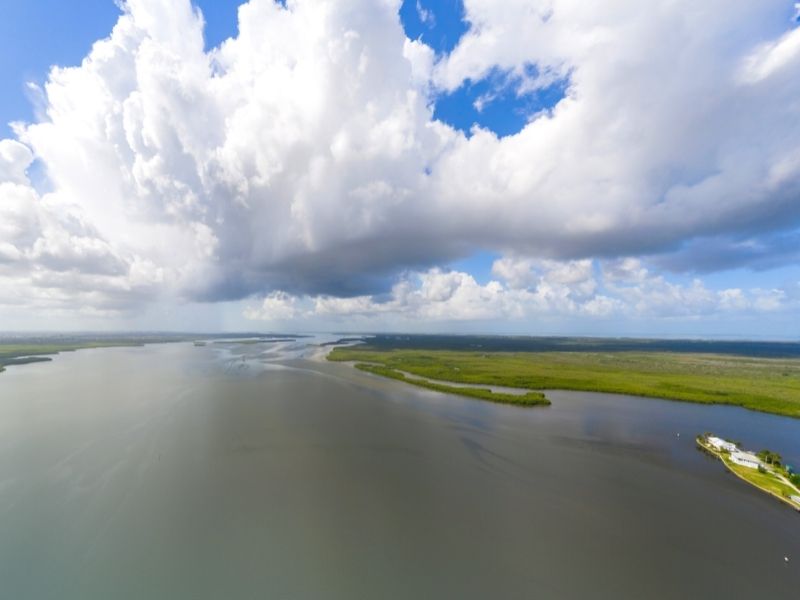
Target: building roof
x=720 y=443
x=745 y=458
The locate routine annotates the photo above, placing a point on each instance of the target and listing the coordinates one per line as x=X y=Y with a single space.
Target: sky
x=524 y=167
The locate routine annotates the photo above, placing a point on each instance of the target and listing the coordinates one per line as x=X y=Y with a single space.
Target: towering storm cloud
x=302 y=158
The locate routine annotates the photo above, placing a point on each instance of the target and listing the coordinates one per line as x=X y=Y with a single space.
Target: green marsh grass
x=763 y=384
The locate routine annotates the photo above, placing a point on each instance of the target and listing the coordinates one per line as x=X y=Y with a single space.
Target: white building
x=721 y=444
x=745 y=459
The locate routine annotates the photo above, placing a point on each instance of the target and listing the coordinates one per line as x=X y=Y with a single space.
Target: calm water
x=176 y=471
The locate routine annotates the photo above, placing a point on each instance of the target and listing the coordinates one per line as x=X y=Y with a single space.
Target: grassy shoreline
x=529 y=399
x=769 y=385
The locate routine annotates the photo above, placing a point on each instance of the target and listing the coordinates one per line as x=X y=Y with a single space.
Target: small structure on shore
x=745 y=459
x=720 y=444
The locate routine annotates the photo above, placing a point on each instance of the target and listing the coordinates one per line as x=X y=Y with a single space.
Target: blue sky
x=37 y=35
x=253 y=197
x=438 y=23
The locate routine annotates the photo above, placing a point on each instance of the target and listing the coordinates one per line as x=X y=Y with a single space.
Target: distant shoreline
x=21 y=350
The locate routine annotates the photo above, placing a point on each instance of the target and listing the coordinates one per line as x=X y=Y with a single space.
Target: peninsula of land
x=764 y=470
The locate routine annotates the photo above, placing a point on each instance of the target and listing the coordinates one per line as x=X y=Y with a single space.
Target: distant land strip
x=21 y=349
x=519 y=343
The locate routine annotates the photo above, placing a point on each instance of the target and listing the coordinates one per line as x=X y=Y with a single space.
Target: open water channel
x=258 y=471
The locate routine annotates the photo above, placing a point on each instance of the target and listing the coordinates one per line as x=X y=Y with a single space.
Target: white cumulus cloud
x=301 y=157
